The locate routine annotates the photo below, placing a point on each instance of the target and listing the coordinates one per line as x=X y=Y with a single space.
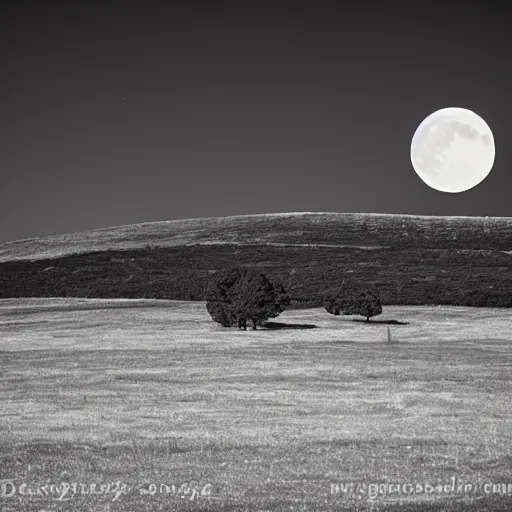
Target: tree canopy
x=336 y=300
x=367 y=304
x=240 y=295
x=340 y=300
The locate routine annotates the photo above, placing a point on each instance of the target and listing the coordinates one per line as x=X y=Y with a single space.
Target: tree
x=336 y=299
x=342 y=300
x=221 y=313
x=239 y=295
x=283 y=298
x=219 y=297
x=257 y=299
x=367 y=304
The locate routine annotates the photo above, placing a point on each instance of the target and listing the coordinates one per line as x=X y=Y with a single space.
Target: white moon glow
x=453 y=150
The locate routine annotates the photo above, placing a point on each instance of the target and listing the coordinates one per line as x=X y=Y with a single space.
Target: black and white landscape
x=175 y=335
x=112 y=372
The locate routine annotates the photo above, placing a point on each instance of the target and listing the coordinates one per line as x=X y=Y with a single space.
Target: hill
x=410 y=259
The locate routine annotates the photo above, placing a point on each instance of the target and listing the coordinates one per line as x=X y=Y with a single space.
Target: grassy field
x=152 y=392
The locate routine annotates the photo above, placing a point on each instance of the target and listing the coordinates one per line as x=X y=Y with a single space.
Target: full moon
x=452 y=150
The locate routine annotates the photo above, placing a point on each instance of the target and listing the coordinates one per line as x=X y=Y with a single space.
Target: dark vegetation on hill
x=407 y=259
x=401 y=275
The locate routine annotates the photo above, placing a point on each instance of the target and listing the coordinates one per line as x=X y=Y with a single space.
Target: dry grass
x=340 y=229
x=153 y=391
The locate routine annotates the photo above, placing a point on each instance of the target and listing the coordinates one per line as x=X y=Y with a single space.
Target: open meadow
x=188 y=415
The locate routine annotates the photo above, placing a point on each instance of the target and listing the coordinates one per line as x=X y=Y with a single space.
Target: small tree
x=367 y=304
x=336 y=299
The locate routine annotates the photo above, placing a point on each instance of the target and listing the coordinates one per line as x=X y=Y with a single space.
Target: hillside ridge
x=292 y=228
x=409 y=259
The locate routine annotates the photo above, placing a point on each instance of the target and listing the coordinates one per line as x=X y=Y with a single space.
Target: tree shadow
x=385 y=322
x=281 y=325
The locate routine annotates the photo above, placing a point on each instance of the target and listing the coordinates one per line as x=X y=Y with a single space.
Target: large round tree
x=239 y=295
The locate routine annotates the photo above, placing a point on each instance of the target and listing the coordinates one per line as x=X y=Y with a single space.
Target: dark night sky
x=117 y=114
